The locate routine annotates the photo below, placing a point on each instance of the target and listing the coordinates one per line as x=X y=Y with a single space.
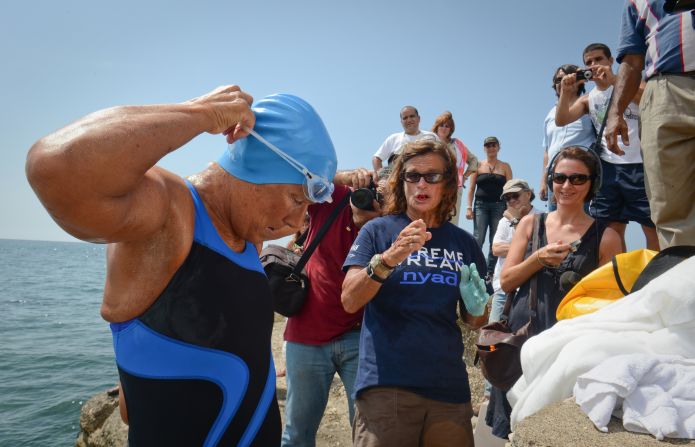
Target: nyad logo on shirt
x=436 y=265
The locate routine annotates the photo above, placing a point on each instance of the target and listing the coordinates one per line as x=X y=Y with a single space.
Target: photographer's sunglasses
x=316 y=188
x=575 y=179
x=414 y=177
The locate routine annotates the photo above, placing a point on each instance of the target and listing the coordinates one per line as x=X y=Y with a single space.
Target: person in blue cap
x=188 y=301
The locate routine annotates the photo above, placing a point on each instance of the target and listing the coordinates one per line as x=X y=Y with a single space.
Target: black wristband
x=374 y=276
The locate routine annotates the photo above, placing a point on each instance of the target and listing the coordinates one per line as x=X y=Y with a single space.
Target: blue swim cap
x=292 y=125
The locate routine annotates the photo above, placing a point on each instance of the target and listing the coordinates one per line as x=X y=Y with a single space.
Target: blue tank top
x=196 y=367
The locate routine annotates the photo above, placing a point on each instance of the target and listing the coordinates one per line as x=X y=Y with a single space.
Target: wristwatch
x=377 y=269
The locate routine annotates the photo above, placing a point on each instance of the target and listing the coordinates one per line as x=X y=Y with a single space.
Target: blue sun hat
x=288 y=144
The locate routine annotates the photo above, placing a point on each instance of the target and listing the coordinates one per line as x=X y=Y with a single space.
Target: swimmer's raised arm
x=97 y=176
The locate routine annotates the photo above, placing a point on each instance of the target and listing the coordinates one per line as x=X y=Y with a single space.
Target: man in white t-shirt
x=623 y=196
x=410 y=120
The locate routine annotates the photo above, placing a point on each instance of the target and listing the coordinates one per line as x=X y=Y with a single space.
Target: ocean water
x=55 y=350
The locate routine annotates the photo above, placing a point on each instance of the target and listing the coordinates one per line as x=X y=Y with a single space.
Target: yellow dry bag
x=604 y=285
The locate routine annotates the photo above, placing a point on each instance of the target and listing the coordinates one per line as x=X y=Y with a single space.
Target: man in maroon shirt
x=324 y=339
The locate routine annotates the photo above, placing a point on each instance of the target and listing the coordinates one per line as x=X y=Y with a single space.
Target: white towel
x=657 y=320
x=655 y=392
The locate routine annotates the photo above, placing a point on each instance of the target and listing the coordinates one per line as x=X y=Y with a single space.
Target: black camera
x=363 y=198
x=584 y=74
x=678 y=6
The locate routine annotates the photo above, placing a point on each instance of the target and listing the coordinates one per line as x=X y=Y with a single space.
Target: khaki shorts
x=386 y=417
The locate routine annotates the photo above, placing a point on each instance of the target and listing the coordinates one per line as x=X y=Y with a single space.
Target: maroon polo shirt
x=322 y=318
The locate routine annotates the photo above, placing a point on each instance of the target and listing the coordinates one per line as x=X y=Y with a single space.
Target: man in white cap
x=518 y=195
x=188 y=301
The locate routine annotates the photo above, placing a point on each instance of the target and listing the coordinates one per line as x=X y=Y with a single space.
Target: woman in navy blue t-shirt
x=404 y=269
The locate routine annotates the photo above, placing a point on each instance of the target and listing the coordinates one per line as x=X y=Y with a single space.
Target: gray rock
x=101 y=424
x=475 y=377
x=563 y=424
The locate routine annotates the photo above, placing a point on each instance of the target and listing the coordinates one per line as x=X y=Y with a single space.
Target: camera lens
x=362 y=198
x=584 y=74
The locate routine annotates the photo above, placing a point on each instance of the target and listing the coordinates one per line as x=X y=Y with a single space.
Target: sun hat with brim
x=515 y=185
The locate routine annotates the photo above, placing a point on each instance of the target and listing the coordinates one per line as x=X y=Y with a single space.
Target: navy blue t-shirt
x=409 y=336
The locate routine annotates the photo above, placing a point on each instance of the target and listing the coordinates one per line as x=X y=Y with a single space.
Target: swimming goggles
x=316 y=188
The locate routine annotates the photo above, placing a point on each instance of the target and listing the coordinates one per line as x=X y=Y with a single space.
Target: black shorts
x=623 y=197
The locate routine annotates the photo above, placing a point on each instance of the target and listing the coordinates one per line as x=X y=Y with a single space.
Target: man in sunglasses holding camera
x=623 y=197
x=187 y=298
x=555 y=137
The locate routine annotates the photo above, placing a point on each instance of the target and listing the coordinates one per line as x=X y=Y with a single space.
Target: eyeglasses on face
x=511 y=196
x=430 y=177
x=575 y=179
x=490 y=144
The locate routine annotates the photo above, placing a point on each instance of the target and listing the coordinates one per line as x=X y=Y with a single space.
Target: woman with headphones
x=570 y=245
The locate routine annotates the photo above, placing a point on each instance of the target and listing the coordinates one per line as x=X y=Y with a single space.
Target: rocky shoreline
x=559 y=425
x=101 y=425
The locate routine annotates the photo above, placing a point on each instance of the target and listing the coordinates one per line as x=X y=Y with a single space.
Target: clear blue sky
x=489 y=63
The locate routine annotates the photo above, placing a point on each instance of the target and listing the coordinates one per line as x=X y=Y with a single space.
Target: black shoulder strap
x=616 y=273
x=302 y=237
x=599 y=136
x=533 y=290
x=326 y=225
x=532 y=302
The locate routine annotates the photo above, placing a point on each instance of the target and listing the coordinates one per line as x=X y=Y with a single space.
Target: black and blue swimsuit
x=196 y=367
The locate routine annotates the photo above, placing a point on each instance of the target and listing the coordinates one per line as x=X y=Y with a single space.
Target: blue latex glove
x=473 y=290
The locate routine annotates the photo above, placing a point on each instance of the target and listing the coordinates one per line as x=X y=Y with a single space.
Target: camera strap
x=598 y=146
x=322 y=232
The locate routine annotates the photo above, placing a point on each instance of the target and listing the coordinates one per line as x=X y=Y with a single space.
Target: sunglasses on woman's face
x=575 y=179
x=431 y=177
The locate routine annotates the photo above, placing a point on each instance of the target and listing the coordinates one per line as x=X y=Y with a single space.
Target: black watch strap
x=373 y=275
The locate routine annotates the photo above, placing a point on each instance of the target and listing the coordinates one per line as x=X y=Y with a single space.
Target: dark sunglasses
x=414 y=177
x=511 y=196
x=490 y=144
x=575 y=179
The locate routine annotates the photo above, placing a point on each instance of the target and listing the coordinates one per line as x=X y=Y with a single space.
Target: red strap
x=464 y=157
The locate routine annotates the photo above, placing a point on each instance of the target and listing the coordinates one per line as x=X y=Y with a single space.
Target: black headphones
x=595 y=179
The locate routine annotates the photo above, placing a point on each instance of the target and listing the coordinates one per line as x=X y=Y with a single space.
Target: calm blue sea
x=55 y=350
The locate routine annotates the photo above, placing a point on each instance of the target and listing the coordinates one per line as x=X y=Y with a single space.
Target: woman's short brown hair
x=396 y=202
x=445 y=117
